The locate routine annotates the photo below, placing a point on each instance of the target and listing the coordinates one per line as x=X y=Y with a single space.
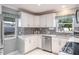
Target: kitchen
x=32 y=29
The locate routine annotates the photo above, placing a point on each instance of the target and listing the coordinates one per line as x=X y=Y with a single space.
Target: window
x=65 y=24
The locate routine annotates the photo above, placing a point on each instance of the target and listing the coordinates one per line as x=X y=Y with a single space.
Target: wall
x=66 y=12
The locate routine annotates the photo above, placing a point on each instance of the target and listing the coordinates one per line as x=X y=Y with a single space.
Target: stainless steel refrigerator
x=1 y=37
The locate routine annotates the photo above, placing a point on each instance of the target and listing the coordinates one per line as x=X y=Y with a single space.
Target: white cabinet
x=51 y=20
x=58 y=43
x=24 y=45
x=36 y=41
x=43 y=21
x=39 y=41
x=36 y=21
x=33 y=42
x=27 y=45
x=48 y=20
x=26 y=20
x=30 y=44
x=55 y=45
x=23 y=21
x=30 y=20
x=62 y=42
x=54 y=19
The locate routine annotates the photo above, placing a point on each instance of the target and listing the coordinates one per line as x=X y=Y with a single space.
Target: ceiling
x=37 y=8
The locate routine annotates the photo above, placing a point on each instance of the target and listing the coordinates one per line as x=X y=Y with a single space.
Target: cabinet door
x=55 y=45
x=54 y=20
x=50 y=20
x=62 y=42
x=23 y=22
x=43 y=21
x=32 y=43
x=27 y=45
x=30 y=20
x=36 y=21
x=39 y=42
x=35 y=41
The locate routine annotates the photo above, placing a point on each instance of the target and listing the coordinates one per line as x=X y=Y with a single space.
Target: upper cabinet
x=29 y=20
x=26 y=20
x=43 y=21
x=48 y=20
x=51 y=20
x=36 y=21
x=23 y=21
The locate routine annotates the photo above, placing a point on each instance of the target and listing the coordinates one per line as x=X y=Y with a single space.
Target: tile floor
x=34 y=52
x=39 y=52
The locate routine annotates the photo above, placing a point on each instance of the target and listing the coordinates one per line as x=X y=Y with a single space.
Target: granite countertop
x=52 y=35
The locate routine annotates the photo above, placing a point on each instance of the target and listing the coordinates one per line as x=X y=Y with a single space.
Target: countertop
x=53 y=35
x=73 y=39
x=26 y=36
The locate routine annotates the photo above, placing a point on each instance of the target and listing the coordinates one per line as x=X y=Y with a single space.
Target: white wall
x=65 y=12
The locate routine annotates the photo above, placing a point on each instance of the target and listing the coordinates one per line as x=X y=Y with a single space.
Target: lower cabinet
x=55 y=45
x=29 y=43
x=39 y=41
x=58 y=44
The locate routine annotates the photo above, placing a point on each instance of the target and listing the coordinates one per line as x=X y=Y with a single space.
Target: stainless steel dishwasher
x=47 y=43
